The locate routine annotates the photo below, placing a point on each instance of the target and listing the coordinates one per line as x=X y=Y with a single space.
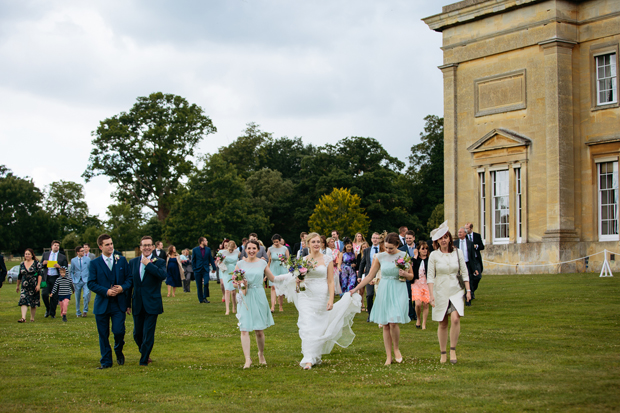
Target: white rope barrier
x=605 y=270
x=542 y=265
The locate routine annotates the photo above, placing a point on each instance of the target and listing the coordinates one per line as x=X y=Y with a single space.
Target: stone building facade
x=532 y=129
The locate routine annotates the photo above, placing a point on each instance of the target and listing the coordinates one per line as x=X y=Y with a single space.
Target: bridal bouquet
x=403 y=263
x=299 y=268
x=219 y=258
x=238 y=276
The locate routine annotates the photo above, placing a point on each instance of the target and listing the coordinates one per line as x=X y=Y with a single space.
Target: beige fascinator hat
x=440 y=232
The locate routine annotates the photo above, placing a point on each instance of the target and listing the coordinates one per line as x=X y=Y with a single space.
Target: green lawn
x=529 y=343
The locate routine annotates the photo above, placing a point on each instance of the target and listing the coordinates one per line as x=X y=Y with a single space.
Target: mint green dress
x=392 y=302
x=253 y=309
x=231 y=263
x=276 y=267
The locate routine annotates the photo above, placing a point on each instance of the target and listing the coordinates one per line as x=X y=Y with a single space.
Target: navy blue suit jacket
x=101 y=279
x=200 y=263
x=147 y=292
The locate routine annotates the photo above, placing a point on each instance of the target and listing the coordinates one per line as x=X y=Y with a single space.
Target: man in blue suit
x=79 y=276
x=409 y=247
x=109 y=278
x=148 y=271
x=201 y=260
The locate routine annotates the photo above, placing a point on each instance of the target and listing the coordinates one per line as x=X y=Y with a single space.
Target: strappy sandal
x=21 y=320
x=453 y=361
x=442 y=353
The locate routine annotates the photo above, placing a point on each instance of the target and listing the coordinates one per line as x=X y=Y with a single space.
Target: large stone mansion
x=532 y=128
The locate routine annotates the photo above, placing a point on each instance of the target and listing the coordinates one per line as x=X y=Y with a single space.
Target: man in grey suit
x=87 y=252
x=262 y=252
x=365 y=264
x=467 y=247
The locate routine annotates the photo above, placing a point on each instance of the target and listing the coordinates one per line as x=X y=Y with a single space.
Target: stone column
x=450 y=144
x=558 y=84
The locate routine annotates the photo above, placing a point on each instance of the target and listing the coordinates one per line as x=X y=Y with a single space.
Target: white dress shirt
x=463 y=248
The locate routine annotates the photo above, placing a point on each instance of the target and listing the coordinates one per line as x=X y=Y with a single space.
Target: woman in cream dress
x=446 y=295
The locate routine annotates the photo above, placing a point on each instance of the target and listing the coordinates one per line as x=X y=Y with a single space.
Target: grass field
x=529 y=343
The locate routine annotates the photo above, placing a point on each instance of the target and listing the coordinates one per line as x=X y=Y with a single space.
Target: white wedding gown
x=319 y=329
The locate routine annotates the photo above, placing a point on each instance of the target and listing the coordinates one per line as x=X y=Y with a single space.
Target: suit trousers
x=370 y=297
x=144 y=334
x=117 y=317
x=412 y=314
x=50 y=301
x=186 y=284
x=81 y=291
x=203 y=291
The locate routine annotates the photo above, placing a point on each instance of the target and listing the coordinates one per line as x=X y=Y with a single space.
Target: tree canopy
x=147 y=151
x=341 y=211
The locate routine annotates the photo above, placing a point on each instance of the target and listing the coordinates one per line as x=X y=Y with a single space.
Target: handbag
x=459 y=276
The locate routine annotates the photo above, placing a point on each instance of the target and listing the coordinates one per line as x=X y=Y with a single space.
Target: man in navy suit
x=467 y=247
x=409 y=247
x=147 y=271
x=201 y=260
x=108 y=278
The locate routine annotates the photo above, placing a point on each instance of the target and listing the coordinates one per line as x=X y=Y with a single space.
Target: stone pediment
x=497 y=139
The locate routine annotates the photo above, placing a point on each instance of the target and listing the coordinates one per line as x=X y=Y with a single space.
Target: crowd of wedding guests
x=55 y=281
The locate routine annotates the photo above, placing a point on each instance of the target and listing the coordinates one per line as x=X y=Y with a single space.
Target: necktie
x=109 y=262
x=141 y=272
x=471 y=237
x=80 y=264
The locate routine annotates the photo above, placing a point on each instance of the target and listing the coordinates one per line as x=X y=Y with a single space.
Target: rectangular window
x=606 y=79
x=518 y=199
x=500 y=198
x=608 y=201
x=483 y=205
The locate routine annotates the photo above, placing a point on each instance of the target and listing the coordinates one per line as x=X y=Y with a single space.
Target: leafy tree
x=154 y=228
x=70 y=241
x=340 y=210
x=23 y=224
x=216 y=204
x=124 y=226
x=426 y=169
x=64 y=200
x=245 y=152
x=436 y=219
x=148 y=150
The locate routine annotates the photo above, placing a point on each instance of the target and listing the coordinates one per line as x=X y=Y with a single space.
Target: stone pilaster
x=450 y=144
x=558 y=55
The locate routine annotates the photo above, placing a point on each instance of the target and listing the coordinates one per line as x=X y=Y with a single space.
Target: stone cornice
x=472 y=10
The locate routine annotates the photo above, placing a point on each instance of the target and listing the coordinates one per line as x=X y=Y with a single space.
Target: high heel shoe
x=453 y=361
x=246 y=365
x=443 y=353
x=418 y=326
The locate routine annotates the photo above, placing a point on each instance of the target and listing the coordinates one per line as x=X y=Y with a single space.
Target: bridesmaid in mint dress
x=391 y=306
x=230 y=293
x=253 y=310
x=276 y=267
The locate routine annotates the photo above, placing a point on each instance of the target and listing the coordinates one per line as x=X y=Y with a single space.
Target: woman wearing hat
x=446 y=292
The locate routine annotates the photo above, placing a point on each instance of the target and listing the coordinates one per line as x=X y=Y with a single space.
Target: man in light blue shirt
x=79 y=275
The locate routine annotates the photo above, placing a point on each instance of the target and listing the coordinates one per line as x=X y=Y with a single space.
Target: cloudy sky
x=320 y=70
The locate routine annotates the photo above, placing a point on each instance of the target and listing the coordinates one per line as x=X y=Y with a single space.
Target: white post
x=606 y=270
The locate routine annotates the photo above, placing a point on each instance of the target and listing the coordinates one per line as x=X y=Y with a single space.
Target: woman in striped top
x=64 y=288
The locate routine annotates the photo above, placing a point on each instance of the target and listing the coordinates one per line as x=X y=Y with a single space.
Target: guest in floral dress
x=346 y=266
x=30 y=276
x=419 y=290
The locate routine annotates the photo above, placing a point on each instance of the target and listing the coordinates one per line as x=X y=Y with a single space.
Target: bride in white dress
x=321 y=322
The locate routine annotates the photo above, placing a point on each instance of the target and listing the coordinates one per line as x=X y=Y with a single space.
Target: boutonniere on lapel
x=116 y=258
x=153 y=259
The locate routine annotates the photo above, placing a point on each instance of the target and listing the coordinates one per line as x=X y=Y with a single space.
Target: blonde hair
x=231 y=246
x=310 y=236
